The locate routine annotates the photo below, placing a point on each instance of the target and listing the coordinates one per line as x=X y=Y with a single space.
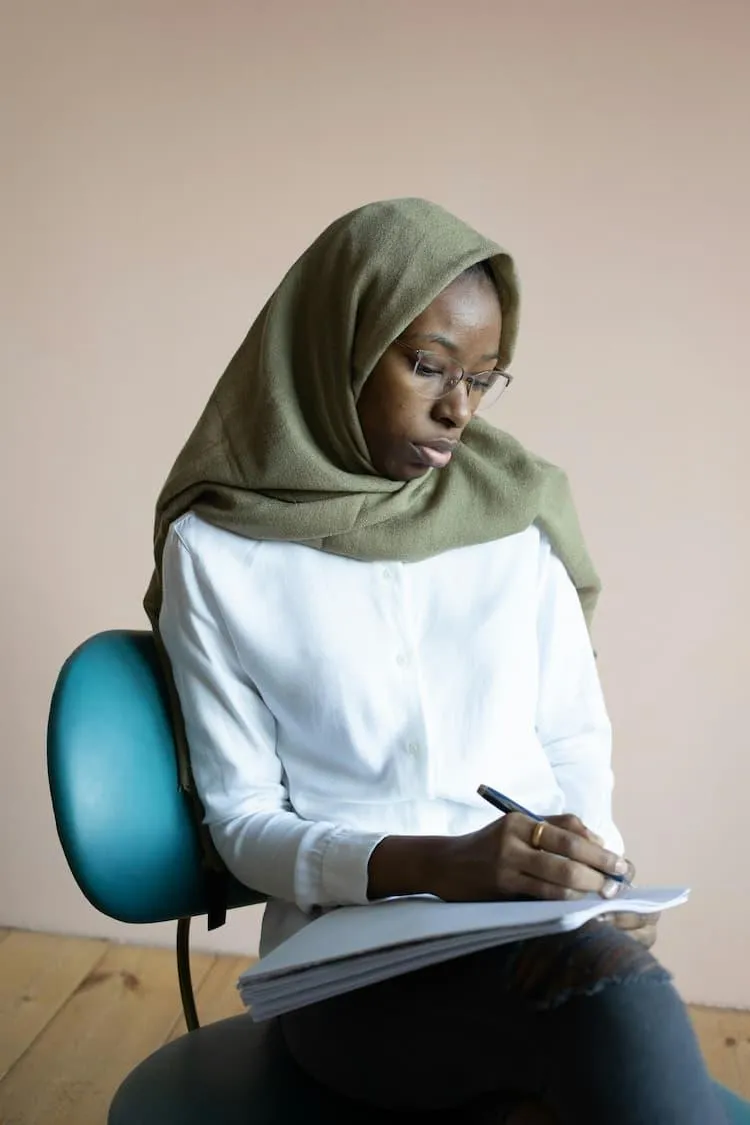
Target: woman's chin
x=408 y=471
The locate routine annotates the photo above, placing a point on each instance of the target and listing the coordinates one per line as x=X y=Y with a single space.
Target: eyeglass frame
x=464 y=377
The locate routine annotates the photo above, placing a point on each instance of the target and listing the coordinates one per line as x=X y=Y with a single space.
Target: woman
x=372 y=602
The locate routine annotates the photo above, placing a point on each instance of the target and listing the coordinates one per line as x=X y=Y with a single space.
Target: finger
x=517 y=883
x=646 y=936
x=574 y=824
x=627 y=921
x=561 y=841
x=630 y=921
x=564 y=872
x=644 y=933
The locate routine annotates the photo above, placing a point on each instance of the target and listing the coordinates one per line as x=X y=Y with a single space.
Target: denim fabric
x=586 y=1023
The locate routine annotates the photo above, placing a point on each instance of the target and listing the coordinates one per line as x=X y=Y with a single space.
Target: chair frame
x=185 y=976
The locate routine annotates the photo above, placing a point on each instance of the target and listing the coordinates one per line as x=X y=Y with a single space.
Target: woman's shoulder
x=219 y=552
x=206 y=543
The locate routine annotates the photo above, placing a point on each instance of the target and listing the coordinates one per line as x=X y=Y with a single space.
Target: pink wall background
x=165 y=160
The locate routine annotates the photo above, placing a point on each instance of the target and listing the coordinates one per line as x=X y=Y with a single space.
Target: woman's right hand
x=500 y=861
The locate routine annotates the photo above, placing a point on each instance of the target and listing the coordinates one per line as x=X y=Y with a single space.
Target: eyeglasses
x=435 y=376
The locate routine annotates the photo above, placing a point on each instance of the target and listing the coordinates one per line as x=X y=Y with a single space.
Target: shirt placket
x=414 y=764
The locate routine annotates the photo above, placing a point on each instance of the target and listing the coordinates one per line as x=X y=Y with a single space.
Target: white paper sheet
x=354 y=946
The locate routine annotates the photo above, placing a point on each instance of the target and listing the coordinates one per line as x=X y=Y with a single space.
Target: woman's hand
x=501 y=861
x=642 y=927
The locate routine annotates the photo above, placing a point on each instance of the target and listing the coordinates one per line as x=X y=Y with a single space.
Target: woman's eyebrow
x=450 y=345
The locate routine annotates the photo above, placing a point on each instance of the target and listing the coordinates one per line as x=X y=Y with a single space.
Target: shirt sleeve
x=572 y=720
x=238 y=775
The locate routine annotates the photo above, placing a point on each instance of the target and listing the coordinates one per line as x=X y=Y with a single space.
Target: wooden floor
x=77 y=1014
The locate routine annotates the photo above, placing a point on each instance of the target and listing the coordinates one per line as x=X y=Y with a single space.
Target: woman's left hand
x=642 y=927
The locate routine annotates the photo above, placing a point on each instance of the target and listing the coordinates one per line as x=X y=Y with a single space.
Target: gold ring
x=536 y=835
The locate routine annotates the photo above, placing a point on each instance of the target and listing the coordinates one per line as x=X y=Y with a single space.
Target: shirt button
x=387 y=574
x=413 y=748
x=402 y=660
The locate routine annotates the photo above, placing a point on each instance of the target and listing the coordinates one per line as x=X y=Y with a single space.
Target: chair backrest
x=126 y=828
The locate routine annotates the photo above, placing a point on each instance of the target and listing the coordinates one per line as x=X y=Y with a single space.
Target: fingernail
x=622 y=867
x=610 y=889
x=629 y=871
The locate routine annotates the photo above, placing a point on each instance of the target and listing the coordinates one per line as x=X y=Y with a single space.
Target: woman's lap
x=508 y=1023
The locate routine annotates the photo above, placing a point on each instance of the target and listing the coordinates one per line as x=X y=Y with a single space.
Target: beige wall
x=169 y=158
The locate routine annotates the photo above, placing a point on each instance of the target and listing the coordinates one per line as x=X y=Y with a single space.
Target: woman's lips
x=435 y=458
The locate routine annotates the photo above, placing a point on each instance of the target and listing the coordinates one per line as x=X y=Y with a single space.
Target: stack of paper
x=354 y=946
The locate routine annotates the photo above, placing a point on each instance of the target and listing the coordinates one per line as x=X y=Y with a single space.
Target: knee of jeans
x=549 y=971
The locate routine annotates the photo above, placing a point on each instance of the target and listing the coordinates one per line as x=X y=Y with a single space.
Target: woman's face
x=407 y=433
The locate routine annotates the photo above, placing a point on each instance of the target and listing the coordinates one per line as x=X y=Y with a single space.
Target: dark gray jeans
x=587 y=1023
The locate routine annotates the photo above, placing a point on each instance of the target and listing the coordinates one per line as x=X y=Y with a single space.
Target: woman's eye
x=427 y=371
x=479 y=385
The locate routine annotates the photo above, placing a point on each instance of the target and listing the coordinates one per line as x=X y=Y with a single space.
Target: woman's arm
x=572 y=720
x=238 y=775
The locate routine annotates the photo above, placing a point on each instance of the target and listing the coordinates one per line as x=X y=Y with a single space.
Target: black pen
x=507 y=805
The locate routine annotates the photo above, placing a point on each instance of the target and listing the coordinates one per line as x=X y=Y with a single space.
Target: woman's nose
x=454 y=409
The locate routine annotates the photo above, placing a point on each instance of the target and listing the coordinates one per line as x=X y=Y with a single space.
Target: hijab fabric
x=278 y=452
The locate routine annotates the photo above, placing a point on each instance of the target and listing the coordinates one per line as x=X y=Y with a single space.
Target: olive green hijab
x=278 y=452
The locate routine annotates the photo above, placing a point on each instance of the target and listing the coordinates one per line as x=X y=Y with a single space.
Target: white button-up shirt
x=330 y=702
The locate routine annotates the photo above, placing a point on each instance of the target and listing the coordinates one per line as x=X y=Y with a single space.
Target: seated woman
x=372 y=602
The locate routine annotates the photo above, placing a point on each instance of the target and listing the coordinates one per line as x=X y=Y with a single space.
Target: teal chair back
x=125 y=826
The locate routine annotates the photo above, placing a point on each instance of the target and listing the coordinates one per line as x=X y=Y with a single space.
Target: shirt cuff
x=332 y=867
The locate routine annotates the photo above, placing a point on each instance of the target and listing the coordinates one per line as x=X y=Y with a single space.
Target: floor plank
x=117 y=1015
x=217 y=997
x=76 y=1015
x=712 y=1026
x=38 y=972
x=734 y=1029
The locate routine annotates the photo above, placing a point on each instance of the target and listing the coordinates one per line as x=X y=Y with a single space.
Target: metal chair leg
x=184 y=976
